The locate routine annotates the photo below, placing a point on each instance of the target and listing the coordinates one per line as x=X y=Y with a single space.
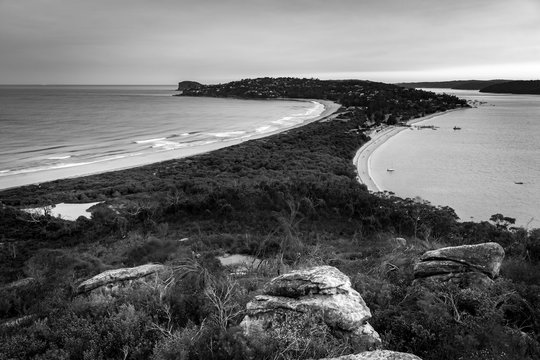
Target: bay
x=52 y=132
x=490 y=165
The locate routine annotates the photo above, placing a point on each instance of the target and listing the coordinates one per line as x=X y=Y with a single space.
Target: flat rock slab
x=378 y=355
x=19 y=284
x=438 y=267
x=345 y=312
x=486 y=257
x=463 y=280
x=325 y=280
x=118 y=275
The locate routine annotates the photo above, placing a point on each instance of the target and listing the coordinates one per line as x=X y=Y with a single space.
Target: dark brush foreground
x=291 y=200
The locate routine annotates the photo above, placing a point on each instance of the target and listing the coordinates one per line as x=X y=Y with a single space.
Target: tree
x=502 y=222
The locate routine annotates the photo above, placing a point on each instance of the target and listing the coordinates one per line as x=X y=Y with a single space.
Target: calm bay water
x=46 y=128
x=477 y=170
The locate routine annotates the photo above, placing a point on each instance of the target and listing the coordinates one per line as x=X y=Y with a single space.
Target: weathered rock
x=111 y=277
x=326 y=280
x=463 y=280
x=378 y=355
x=18 y=321
x=486 y=257
x=438 y=267
x=467 y=265
x=321 y=290
x=19 y=284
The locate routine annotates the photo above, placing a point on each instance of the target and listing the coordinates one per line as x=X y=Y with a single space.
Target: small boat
x=390 y=170
x=518 y=182
x=457 y=128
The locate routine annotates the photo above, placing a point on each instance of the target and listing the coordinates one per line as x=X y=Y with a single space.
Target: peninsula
x=143 y=278
x=530 y=87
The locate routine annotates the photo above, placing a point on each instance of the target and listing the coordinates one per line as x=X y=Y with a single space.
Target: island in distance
x=183 y=85
x=497 y=86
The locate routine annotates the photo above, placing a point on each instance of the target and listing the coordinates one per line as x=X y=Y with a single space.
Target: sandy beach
x=362 y=159
x=7 y=182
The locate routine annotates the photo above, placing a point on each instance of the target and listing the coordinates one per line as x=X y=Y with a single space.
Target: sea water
x=70 y=128
x=490 y=165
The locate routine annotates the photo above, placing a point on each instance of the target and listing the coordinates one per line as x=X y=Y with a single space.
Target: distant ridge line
x=455 y=84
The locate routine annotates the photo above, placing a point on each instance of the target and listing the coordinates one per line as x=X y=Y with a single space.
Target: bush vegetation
x=292 y=200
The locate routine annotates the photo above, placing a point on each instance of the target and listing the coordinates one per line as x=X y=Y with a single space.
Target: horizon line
x=319 y=78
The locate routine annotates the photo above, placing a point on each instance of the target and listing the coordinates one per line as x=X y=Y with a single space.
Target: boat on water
x=390 y=170
x=457 y=128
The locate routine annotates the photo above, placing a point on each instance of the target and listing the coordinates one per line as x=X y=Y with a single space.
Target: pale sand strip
x=362 y=159
x=17 y=180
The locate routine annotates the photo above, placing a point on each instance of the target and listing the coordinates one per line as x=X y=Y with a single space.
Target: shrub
x=153 y=250
x=298 y=336
x=178 y=345
x=448 y=323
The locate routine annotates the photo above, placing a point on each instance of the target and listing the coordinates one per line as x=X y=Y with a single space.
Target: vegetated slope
x=454 y=84
x=376 y=99
x=236 y=189
x=515 y=87
x=291 y=199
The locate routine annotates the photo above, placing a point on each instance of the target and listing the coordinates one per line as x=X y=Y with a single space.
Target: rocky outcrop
x=323 y=291
x=183 y=85
x=114 y=278
x=19 y=321
x=467 y=265
x=378 y=355
x=19 y=284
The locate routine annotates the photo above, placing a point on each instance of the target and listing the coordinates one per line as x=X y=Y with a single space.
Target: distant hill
x=183 y=85
x=455 y=84
x=373 y=102
x=515 y=87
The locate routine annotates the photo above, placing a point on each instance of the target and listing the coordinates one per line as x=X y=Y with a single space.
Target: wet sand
x=362 y=159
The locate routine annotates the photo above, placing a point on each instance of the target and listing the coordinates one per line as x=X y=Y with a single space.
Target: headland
x=290 y=200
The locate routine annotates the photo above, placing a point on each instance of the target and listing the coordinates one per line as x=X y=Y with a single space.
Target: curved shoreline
x=34 y=178
x=362 y=158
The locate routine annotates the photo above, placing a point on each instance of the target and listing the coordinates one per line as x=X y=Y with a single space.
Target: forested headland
x=530 y=87
x=291 y=200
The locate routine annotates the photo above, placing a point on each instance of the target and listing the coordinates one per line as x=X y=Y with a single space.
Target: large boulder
x=113 y=279
x=466 y=265
x=322 y=291
x=378 y=355
x=19 y=284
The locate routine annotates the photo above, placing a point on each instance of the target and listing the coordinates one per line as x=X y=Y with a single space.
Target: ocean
x=490 y=165
x=50 y=132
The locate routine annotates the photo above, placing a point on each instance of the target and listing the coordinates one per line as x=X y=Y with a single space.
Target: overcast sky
x=166 y=41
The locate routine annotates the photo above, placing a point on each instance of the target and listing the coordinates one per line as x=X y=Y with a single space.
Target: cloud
x=162 y=41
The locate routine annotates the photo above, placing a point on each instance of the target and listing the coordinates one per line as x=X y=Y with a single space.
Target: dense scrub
x=377 y=99
x=291 y=199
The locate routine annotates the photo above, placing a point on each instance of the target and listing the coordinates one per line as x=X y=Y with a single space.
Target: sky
x=213 y=41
